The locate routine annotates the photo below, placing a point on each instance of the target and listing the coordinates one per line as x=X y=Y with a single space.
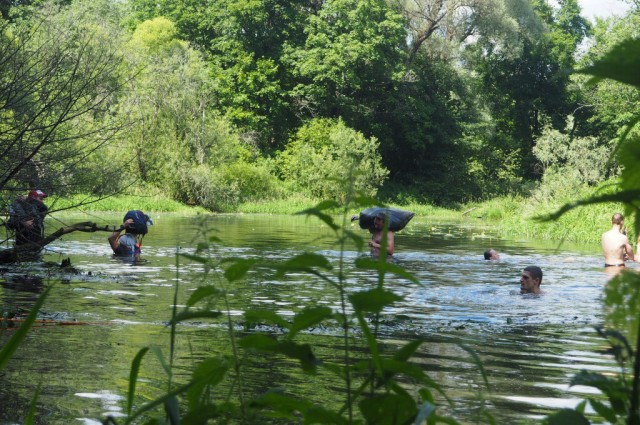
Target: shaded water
x=530 y=345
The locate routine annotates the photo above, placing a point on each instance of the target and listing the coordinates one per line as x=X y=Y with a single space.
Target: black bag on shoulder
x=398 y=219
x=140 y=222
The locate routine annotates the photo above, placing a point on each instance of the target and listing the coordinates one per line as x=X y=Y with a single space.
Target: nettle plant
x=622 y=295
x=377 y=386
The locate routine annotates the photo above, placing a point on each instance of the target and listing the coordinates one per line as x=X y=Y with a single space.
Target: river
x=530 y=346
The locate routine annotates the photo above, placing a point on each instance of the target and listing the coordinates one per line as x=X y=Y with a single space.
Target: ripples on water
x=530 y=345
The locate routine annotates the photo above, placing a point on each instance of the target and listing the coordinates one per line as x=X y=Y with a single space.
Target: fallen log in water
x=7 y=323
x=32 y=250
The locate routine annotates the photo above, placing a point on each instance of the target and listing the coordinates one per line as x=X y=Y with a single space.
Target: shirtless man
x=615 y=244
x=376 y=239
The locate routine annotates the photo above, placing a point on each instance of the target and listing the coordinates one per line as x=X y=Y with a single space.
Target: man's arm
x=113 y=240
x=629 y=250
x=390 y=243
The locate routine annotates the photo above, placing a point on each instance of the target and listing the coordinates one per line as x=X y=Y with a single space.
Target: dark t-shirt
x=26 y=209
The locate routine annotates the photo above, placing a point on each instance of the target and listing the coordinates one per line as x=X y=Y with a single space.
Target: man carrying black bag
x=373 y=219
x=376 y=241
x=135 y=225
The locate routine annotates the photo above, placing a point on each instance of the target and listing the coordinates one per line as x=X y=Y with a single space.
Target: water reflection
x=530 y=346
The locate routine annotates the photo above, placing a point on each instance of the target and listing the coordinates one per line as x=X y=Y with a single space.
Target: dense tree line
x=220 y=102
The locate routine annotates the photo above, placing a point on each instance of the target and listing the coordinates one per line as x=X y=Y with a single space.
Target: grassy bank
x=522 y=217
x=513 y=216
x=122 y=203
x=298 y=203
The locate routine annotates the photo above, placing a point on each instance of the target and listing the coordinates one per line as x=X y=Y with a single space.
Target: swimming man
x=530 y=280
x=491 y=254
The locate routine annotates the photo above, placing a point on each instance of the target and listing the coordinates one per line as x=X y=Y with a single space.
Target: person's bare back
x=615 y=244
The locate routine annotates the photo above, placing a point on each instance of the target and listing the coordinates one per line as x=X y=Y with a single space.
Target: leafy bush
x=586 y=158
x=223 y=188
x=325 y=154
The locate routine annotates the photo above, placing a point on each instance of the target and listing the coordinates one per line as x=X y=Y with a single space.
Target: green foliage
x=324 y=154
x=13 y=342
x=243 y=41
x=581 y=160
x=149 y=200
x=373 y=384
x=525 y=89
x=352 y=50
x=60 y=74
x=611 y=105
x=223 y=188
x=623 y=391
x=519 y=216
x=622 y=298
x=288 y=204
x=18 y=336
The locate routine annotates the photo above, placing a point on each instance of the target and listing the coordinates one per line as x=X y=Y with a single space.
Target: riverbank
x=121 y=203
x=511 y=216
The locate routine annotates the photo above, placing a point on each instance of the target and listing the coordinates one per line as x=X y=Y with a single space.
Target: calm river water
x=530 y=346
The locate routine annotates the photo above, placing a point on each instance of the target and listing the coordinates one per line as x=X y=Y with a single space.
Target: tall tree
x=349 y=61
x=608 y=106
x=441 y=27
x=526 y=88
x=58 y=78
x=243 y=43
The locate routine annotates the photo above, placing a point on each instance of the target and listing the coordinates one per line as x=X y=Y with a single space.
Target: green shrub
x=325 y=154
x=223 y=188
x=580 y=160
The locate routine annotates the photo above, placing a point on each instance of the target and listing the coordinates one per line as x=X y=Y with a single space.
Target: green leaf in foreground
x=202 y=293
x=388 y=409
x=308 y=317
x=373 y=300
x=285 y=405
x=566 y=417
x=300 y=352
x=322 y=216
x=303 y=262
x=621 y=64
x=133 y=377
x=208 y=373
x=613 y=389
x=268 y=316
x=238 y=268
x=603 y=410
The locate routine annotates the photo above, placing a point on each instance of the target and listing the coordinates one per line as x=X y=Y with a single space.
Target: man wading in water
x=615 y=244
x=376 y=239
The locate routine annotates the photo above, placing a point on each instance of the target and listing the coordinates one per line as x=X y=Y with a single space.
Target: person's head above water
x=618 y=219
x=378 y=221
x=491 y=254
x=530 y=280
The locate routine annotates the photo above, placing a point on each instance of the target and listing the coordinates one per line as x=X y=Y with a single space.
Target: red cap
x=36 y=193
